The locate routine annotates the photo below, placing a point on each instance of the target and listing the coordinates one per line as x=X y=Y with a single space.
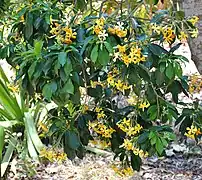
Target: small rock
x=169 y=152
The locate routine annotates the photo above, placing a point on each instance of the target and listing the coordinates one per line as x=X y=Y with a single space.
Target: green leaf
x=143 y=137
x=94 y=54
x=68 y=67
x=29 y=26
x=162 y=67
x=160 y=78
x=187 y=122
x=2 y=136
x=72 y=139
x=62 y=57
x=152 y=111
x=95 y=92
x=157 y=50
x=159 y=146
x=31 y=69
x=80 y=4
x=136 y=162
x=180 y=15
x=86 y=42
x=32 y=132
x=37 y=48
x=174 y=48
x=47 y=18
x=153 y=140
x=103 y=57
x=170 y=71
x=164 y=142
x=151 y=134
x=143 y=72
x=8 y=155
x=178 y=69
x=108 y=47
x=9 y=102
x=80 y=35
x=49 y=89
x=68 y=87
x=8 y=124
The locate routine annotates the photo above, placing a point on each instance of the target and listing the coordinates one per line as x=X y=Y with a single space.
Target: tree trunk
x=191 y=8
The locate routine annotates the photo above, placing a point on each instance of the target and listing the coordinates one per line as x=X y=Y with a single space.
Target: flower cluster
x=134 y=55
x=114 y=81
x=99 y=30
x=118 y=30
x=63 y=34
x=168 y=35
x=182 y=36
x=127 y=127
x=195 y=84
x=93 y=84
x=99 y=26
x=192 y=132
x=102 y=129
x=193 y=20
x=127 y=171
x=128 y=145
x=132 y=100
x=51 y=155
x=103 y=144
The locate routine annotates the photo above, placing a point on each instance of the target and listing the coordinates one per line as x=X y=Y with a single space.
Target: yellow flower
x=138 y=128
x=126 y=86
x=108 y=133
x=121 y=33
x=111 y=30
x=192 y=132
x=13 y=88
x=132 y=100
x=55 y=31
x=122 y=49
x=126 y=59
x=140 y=152
x=43 y=127
x=69 y=33
x=93 y=84
x=97 y=109
x=127 y=145
x=193 y=20
x=168 y=35
x=67 y=41
x=22 y=19
x=144 y=105
x=119 y=85
x=194 y=33
x=100 y=22
x=101 y=115
x=157 y=29
x=97 y=29
x=126 y=122
x=128 y=171
x=85 y=108
x=92 y=124
x=183 y=36
x=115 y=71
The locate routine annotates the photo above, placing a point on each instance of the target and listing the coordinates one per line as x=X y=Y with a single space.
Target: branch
x=101 y=6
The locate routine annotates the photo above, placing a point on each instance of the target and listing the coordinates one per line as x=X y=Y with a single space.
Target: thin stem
x=101 y=7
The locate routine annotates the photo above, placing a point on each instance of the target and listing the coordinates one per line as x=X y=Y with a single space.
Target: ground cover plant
x=105 y=69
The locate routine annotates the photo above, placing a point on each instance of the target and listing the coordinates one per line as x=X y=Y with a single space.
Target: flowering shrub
x=85 y=64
